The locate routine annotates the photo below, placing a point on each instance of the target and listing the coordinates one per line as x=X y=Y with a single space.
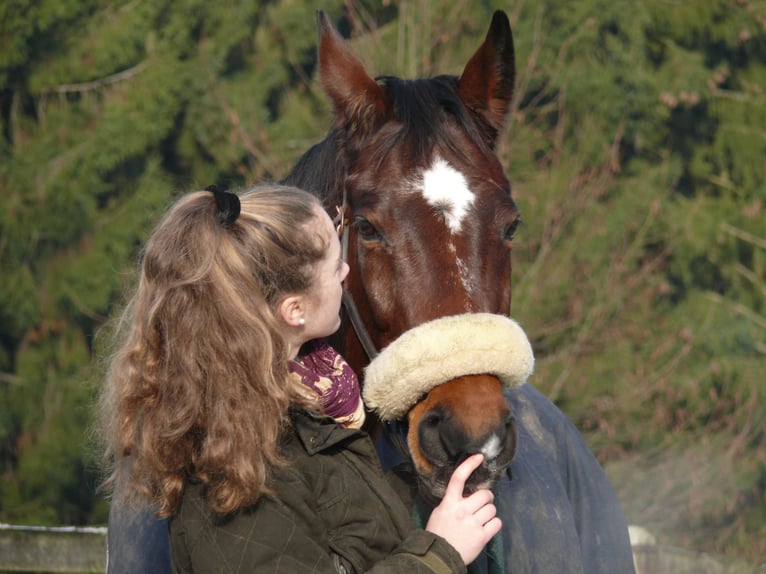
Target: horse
x=427 y=209
x=428 y=220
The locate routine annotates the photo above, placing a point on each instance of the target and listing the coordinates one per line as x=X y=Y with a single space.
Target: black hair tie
x=228 y=205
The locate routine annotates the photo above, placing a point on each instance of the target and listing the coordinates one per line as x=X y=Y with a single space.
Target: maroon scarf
x=331 y=381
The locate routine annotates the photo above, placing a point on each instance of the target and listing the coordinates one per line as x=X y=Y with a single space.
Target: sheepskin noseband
x=441 y=350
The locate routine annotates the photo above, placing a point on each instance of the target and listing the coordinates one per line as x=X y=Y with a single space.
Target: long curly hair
x=197 y=387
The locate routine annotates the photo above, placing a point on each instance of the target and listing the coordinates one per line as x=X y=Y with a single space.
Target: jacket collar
x=318 y=432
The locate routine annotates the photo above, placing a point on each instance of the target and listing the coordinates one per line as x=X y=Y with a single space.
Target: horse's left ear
x=357 y=97
x=486 y=85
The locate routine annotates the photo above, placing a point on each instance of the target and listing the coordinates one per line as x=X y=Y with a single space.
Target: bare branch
x=95 y=84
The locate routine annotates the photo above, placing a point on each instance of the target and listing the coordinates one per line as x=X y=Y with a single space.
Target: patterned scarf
x=330 y=381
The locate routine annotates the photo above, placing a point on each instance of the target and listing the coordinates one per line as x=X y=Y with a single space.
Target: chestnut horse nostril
x=440 y=438
x=454 y=440
x=433 y=419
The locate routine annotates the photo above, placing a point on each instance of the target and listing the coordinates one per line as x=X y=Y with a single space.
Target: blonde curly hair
x=197 y=387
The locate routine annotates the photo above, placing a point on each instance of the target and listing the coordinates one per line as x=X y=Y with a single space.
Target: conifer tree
x=109 y=110
x=636 y=149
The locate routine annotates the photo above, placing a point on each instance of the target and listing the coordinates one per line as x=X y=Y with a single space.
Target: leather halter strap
x=341 y=226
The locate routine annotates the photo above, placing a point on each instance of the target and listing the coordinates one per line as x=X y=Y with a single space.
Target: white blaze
x=446 y=190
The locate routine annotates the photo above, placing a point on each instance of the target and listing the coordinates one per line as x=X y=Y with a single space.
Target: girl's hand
x=467 y=523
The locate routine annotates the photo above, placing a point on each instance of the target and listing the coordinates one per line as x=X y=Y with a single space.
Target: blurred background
x=637 y=152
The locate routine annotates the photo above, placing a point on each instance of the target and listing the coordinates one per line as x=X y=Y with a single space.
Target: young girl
x=223 y=408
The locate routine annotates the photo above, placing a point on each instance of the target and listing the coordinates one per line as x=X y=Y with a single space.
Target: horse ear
x=356 y=97
x=486 y=85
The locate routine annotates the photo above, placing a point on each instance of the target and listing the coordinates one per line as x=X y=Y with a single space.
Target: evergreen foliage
x=637 y=153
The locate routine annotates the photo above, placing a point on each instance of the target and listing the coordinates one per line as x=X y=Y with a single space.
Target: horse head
x=430 y=225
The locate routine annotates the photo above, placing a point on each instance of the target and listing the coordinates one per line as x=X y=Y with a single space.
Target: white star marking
x=446 y=189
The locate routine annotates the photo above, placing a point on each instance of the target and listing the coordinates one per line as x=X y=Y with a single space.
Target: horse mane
x=320 y=171
x=420 y=109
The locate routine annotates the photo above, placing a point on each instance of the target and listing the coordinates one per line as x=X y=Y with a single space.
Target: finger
x=462 y=472
x=480 y=498
x=492 y=527
x=485 y=514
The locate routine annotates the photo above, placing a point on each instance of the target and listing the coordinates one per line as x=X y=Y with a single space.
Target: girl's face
x=322 y=301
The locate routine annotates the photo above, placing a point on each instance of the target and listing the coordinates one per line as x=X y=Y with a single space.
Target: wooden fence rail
x=77 y=550
x=52 y=549
x=670 y=560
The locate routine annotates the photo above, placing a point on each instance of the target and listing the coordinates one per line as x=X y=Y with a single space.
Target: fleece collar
x=441 y=350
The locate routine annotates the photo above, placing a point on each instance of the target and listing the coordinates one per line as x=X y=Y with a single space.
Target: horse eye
x=366 y=230
x=510 y=230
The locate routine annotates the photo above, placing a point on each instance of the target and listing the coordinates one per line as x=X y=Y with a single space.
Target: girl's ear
x=290 y=308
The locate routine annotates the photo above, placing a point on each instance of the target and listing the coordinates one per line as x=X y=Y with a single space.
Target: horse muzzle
x=457 y=419
x=446 y=377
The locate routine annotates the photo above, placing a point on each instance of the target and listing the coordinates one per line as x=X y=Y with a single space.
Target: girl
x=222 y=409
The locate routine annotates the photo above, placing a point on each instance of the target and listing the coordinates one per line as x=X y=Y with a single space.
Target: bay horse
x=429 y=222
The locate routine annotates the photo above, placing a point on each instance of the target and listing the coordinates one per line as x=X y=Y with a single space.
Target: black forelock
x=424 y=107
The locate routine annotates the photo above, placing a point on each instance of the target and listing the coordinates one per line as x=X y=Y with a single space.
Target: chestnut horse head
x=430 y=221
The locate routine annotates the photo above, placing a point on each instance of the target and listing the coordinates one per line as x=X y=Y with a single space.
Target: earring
x=301 y=321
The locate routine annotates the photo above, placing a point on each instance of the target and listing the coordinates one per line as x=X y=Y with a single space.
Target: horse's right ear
x=357 y=98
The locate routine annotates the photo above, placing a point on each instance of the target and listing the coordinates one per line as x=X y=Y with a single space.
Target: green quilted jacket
x=334 y=511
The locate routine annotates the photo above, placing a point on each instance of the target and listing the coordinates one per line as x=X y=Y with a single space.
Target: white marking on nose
x=446 y=189
x=491 y=448
x=465 y=277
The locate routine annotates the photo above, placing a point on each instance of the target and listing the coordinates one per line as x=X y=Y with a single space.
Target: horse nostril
x=429 y=436
x=440 y=440
x=510 y=426
x=432 y=419
x=510 y=435
x=453 y=439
